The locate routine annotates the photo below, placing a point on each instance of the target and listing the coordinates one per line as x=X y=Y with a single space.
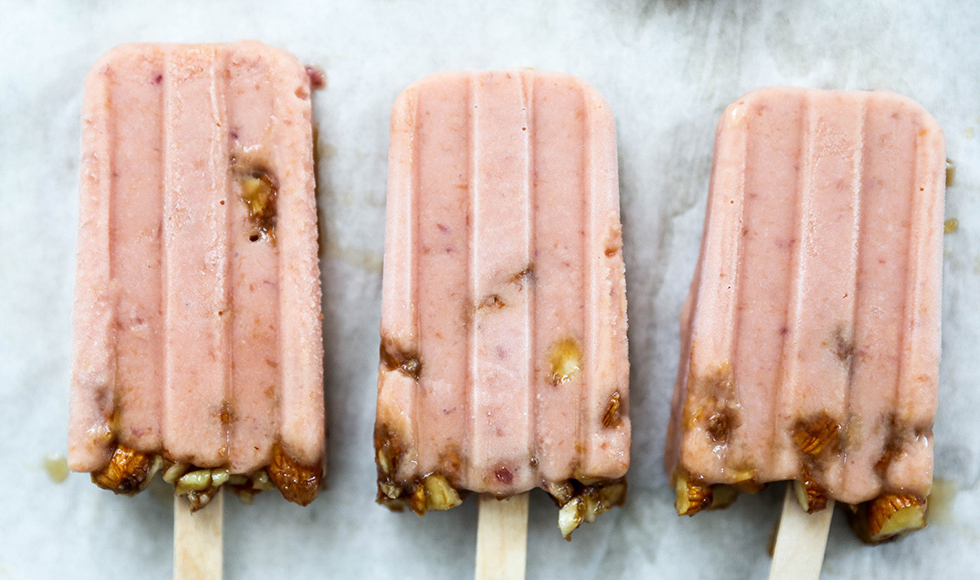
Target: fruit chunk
x=566 y=360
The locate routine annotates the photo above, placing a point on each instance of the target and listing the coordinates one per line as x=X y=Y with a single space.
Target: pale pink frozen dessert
x=810 y=337
x=197 y=335
x=503 y=333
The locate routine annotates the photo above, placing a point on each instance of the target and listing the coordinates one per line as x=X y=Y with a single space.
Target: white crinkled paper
x=668 y=68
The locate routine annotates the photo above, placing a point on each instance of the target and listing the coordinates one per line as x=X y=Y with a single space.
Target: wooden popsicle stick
x=800 y=540
x=198 y=553
x=501 y=538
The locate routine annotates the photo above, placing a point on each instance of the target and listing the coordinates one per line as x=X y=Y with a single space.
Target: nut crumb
x=720 y=425
x=887 y=517
x=56 y=467
x=566 y=360
x=393 y=358
x=298 y=483
x=817 y=434
x=259 y=192
x=440 y=495
x=128 y=471
x=584 y=502
x=810 y=495
x=611 y=417
x=691 y=497
x=525 y=276
x=492 y=301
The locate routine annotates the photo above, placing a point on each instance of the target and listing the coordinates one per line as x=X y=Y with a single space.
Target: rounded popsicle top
x=758 y=100
x=186 y=57
x=600 y=111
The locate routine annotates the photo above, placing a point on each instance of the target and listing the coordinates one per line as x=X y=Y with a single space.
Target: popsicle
x=197 y=344
x=810 y=337
x=503 y=333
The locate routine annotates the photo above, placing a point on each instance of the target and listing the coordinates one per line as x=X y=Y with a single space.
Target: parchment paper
x=668 y=68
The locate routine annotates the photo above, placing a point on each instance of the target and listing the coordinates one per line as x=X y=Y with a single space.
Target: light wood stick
x=501 y=538
x=198 y=539
x=800 y=540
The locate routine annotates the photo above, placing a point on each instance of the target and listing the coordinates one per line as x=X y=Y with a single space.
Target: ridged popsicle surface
x=197 y=304
x=811 y=335
x=504 y=360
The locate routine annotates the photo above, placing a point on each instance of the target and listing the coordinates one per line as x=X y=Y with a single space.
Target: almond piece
x=440 y=495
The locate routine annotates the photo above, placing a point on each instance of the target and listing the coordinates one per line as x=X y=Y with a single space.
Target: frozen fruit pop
x=197 y=336
x=810 y=337
x=503 y=333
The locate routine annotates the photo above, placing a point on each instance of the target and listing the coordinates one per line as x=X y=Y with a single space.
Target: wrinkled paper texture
x=668 y=68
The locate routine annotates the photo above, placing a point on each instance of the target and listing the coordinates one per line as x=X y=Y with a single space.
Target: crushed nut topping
x=817 y=434
x=259 y=191
x=128 y=471
x=579 y=502
x=393 y=358
x=691 y=497
x=811 y=496
x=712 y=406
x=611 y=417
x=440 y=495
x=888 y=516
x=298 y=483
x=720 y=425
x=570 y=516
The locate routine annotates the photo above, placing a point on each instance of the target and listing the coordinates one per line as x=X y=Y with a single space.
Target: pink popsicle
x=810 y=338
x=503 y=355
x=197 y=339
